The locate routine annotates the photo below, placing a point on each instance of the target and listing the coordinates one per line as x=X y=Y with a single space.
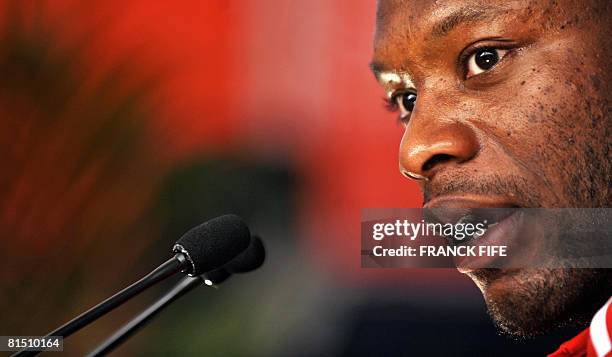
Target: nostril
x=436 y=160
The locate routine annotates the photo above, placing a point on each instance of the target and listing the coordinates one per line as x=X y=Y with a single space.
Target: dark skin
x=506 y=104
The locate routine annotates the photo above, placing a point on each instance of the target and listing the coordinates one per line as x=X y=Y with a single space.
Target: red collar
x=576 y=347
x=595 y=341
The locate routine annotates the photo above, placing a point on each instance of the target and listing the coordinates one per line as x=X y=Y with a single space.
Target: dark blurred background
x=125 y=123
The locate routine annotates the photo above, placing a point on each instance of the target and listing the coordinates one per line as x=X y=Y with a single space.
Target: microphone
x=249 y=260
x=203 y=248
x=213 y=243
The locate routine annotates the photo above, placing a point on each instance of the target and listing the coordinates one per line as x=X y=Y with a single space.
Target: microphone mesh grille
x=215 y=242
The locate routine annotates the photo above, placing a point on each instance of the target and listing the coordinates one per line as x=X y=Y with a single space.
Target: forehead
x=417 y=13
x=405 y=25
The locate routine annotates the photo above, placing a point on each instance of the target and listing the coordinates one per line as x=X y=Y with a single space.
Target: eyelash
x=464 y=57
x=390 y=104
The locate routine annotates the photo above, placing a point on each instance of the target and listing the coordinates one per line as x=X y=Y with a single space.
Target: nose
x=431 y=145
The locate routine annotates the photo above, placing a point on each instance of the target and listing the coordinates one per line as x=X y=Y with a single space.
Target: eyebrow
x=377 y=67
x=380 y=71
x=461 y=16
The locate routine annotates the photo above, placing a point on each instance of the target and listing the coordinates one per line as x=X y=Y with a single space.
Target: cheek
x=550 y=127
x=538 y=118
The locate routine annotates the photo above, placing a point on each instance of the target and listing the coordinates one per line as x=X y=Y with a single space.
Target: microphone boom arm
x=167 y=269
x=180 y=289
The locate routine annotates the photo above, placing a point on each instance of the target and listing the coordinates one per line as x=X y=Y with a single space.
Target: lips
x=501 y=219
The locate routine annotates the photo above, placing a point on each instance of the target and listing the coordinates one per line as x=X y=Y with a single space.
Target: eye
x=483 y=60
x=405 y=101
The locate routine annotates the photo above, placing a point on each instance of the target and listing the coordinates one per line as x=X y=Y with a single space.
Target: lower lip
x=505 y=233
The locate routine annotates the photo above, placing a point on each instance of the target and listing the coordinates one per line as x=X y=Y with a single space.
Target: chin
x=525 y=303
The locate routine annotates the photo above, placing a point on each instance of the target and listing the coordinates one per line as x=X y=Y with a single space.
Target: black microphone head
x=213 y=243
x=250 y=259
x=216 y=276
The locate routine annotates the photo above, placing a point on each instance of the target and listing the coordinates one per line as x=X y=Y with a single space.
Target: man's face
x=506 y=104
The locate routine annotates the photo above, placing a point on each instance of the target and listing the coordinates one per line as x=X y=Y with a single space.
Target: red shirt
x=595 y=341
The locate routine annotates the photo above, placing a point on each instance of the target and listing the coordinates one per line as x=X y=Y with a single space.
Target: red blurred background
x=281 y=81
